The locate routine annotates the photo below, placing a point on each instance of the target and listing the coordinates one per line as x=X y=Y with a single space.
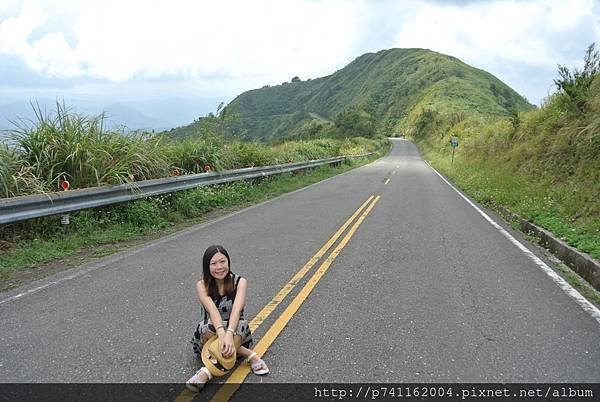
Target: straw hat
x=214 y=361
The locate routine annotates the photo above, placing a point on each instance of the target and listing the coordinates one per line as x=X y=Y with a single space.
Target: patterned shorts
x=243 y=330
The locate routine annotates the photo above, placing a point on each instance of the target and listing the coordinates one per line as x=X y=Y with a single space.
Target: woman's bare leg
x=205 y=337
x=245 y=352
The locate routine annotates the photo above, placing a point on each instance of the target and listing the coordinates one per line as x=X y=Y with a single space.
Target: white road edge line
x=17 y=296
x=564 y=285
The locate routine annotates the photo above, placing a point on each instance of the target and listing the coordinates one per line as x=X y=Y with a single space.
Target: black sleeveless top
x=225 y=303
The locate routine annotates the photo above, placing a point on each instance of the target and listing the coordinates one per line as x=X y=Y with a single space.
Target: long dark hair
x=209 y=282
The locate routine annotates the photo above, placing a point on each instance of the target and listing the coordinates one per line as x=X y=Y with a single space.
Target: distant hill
x=151 y=114
x=391 y=85
x=117 y=114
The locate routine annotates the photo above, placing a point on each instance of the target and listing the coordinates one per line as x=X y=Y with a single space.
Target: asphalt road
x=425 y=290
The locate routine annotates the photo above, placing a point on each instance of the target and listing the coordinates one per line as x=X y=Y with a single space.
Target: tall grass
x=7 y=170
x=69 y=146
x=247 y=154
x=543 y=164
x=42 y=240
x=305 y=150
x=15 y=177
x=191 y=155
x=63 y=145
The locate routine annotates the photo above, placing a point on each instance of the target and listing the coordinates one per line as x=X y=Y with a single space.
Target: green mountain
x=392 y=87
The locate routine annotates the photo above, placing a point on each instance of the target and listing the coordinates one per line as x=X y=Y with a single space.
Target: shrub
x=76 y=147
x=192 y=154
x=245 y=154
x=15 y=178
x=576 y=84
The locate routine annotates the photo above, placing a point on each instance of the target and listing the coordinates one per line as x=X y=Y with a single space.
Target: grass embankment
x=543 y=165
x=48 y=152
x=68 y=146
x=102 y=231
x=75 y=147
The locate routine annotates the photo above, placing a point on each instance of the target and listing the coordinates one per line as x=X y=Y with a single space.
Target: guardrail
x=35 y=206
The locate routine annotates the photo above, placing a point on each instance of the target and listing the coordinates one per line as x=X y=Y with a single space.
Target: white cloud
x=55 y=56
x=503 y=37
x=232 y=46
x=14 y=31
x=496 y=29
x=8 y=8
x=49 y=55
x=119 y=40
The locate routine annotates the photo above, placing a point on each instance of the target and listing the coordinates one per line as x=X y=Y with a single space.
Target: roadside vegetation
x=68 y=146
x=543 y=164
x=385 y=91
x=101 y=231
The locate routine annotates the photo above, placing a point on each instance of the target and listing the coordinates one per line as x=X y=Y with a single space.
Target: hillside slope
x=393 y=86
x=543 y=164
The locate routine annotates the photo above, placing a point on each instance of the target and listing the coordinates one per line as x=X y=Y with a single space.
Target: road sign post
x=453 y=144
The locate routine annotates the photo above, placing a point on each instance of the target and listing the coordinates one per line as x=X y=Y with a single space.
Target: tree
x=355 y=122
x=225 y=119
x=576 y=84
x=296 y=79
x=514 y=117
x=428 y=121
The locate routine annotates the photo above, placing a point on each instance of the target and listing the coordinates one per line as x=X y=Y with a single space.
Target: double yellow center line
x=268 y=309
x=238 y=376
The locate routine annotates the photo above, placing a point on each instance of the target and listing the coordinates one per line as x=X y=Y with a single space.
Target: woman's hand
x=226 y=344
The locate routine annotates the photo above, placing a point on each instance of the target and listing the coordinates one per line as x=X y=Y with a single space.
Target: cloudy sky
x=135 y=50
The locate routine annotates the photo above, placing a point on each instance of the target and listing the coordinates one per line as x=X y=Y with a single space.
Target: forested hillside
x=386 y=91
x=543 y=164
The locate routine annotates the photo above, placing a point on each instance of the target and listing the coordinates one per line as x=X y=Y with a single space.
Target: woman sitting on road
x=223 y=296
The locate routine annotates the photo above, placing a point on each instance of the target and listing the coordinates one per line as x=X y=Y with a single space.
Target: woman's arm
x=227 y=346
x=238 y=304
x=209 y=306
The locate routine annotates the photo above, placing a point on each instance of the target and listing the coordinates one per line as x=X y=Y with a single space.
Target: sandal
x=256 y=367
x=195 y=384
